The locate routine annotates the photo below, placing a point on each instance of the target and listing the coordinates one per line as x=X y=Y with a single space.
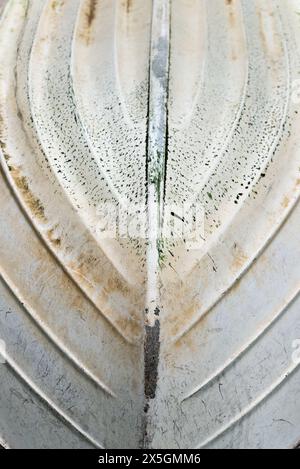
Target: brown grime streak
x=53 y=240
x=31 y=201
x=91 y=13
x=128 y=5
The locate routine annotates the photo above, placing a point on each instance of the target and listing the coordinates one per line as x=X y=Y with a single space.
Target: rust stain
x=272 y=47
x=78 y=303
x=87 y=269
x=231 y=13
x=55 y=4
x=232 y=24
x=187 y=340
x=128 y=5
x=130 y=326
x=33 y=203
x=240 y=258
x=83 y=266
x=184 y=317
x=232 y=20
x=131 y=323
x=85 y=32
x=54 y=240
x=91 y=12
x=262 y=32
x=285 y=202
x=115 y=285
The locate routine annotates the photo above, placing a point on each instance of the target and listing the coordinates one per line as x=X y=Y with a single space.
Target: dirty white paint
x=144 y=105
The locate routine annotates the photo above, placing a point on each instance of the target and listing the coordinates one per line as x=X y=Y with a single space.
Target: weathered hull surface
x=128 y=341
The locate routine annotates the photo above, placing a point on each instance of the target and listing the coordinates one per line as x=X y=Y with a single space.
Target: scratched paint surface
x=145 y=106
